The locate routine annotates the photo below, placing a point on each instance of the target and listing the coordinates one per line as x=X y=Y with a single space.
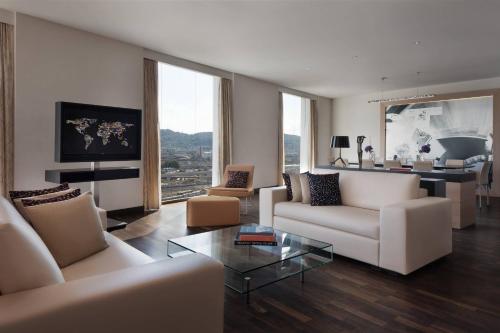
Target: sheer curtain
x=305 y=136
x=6 y=108
x=314 y=133
x=281 y=150
x=151 y=164
x=223 y=132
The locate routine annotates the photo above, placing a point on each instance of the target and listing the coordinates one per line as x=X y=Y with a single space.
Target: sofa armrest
x=268 y=197
x=414 y=233
x=185 y=294
x=103 y=215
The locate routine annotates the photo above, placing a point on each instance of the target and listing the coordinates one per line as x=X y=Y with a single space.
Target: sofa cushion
x=373 y=190
x=359 y=221
x=25 y=261
x=71 y=229
x=118 y=255
x=288 y=184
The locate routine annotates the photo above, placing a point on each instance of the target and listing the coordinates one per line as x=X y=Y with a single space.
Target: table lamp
x=340 y=142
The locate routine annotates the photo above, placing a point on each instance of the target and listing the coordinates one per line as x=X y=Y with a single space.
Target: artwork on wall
x=451 y=129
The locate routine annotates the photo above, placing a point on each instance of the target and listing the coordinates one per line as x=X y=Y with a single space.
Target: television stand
x=94 y=175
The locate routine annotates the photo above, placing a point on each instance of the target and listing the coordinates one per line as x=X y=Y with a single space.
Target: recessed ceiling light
x=417 y=42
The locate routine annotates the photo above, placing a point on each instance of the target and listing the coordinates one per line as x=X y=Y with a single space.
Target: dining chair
x=392 y=164
x=423 y=165
x=367 y=164
x=483 y=182
x=454 y=164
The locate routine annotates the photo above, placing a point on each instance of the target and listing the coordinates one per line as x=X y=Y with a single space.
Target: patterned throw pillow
x=288 y=184
x=36 y=202
x=237 y=179
x=33 y=193
x=325 y=190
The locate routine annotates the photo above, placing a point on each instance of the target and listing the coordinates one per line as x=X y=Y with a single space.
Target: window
x=297 y=133
x=188 y=111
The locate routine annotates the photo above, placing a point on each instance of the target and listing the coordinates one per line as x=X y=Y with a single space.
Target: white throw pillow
x=304 y=184
x=296 y=187
x=71 y=229
x=25 y=261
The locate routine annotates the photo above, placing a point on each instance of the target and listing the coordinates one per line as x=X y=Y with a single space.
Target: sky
x=291 y=114
x=186 y=99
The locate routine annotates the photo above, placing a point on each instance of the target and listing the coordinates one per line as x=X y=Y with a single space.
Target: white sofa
x=119 y=289
x=384 y=220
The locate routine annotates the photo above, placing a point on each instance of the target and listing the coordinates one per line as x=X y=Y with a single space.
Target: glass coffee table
x=249 y=267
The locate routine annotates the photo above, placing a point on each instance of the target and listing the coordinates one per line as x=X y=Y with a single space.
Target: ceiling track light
x=397 y=99
x=406 y=98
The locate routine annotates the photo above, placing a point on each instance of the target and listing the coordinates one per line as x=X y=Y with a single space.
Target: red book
x=257 y=238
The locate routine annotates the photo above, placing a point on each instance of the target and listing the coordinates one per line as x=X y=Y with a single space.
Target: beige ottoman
x=213 y=211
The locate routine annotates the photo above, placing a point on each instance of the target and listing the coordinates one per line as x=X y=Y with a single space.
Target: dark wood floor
x=459 y=293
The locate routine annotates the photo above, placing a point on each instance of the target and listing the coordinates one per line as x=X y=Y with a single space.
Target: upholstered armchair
x=247 y=192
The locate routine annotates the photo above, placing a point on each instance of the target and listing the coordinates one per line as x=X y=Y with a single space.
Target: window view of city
x=187 y=105
x=292 y=106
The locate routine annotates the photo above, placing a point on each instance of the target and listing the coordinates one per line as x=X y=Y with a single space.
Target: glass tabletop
x=219 y=244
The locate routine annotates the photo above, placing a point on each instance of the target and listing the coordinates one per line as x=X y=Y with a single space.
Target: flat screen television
x=91 y=133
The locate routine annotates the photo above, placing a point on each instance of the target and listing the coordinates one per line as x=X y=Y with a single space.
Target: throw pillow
x=304 y=185
x=237 y=179
x=32 y=193
x=296 y=188
x=288 y=184
x=71 y=229
x=25 y=261
x=325 y=190
x=59 y=196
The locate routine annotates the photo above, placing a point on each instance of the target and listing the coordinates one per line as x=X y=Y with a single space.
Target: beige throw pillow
x=304 y=184
x=71 y=229
x=296 y=188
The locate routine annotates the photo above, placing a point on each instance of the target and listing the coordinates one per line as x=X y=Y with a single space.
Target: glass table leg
x=247 y=281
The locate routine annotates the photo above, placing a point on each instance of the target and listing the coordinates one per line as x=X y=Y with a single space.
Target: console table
x=94 y=174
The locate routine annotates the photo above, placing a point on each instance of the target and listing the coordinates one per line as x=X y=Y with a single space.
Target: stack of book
x=256 y=235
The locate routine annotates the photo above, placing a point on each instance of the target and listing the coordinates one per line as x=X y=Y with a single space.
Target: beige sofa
x=384 y=220
x=119 y=289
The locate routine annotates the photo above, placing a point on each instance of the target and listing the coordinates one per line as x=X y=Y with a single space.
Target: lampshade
x=340 y=142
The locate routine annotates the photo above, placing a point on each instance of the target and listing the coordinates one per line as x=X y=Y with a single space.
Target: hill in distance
x=189 y=142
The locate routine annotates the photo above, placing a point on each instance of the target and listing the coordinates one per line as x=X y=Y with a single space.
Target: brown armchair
x=223 y=191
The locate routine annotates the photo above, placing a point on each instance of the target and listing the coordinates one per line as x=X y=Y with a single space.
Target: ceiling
x=330 y=48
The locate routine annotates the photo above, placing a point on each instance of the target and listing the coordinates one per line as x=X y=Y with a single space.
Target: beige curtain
x=225 y=125
x=6 y=108
x=281 y=151
x=314 y=134
x=152 y=185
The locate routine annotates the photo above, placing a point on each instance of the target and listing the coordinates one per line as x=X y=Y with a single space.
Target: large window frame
x=195 y=171
x=296 y=132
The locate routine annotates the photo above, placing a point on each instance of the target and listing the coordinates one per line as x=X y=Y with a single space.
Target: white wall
x=57 y=63
x=255 y=127
x=354 y=116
